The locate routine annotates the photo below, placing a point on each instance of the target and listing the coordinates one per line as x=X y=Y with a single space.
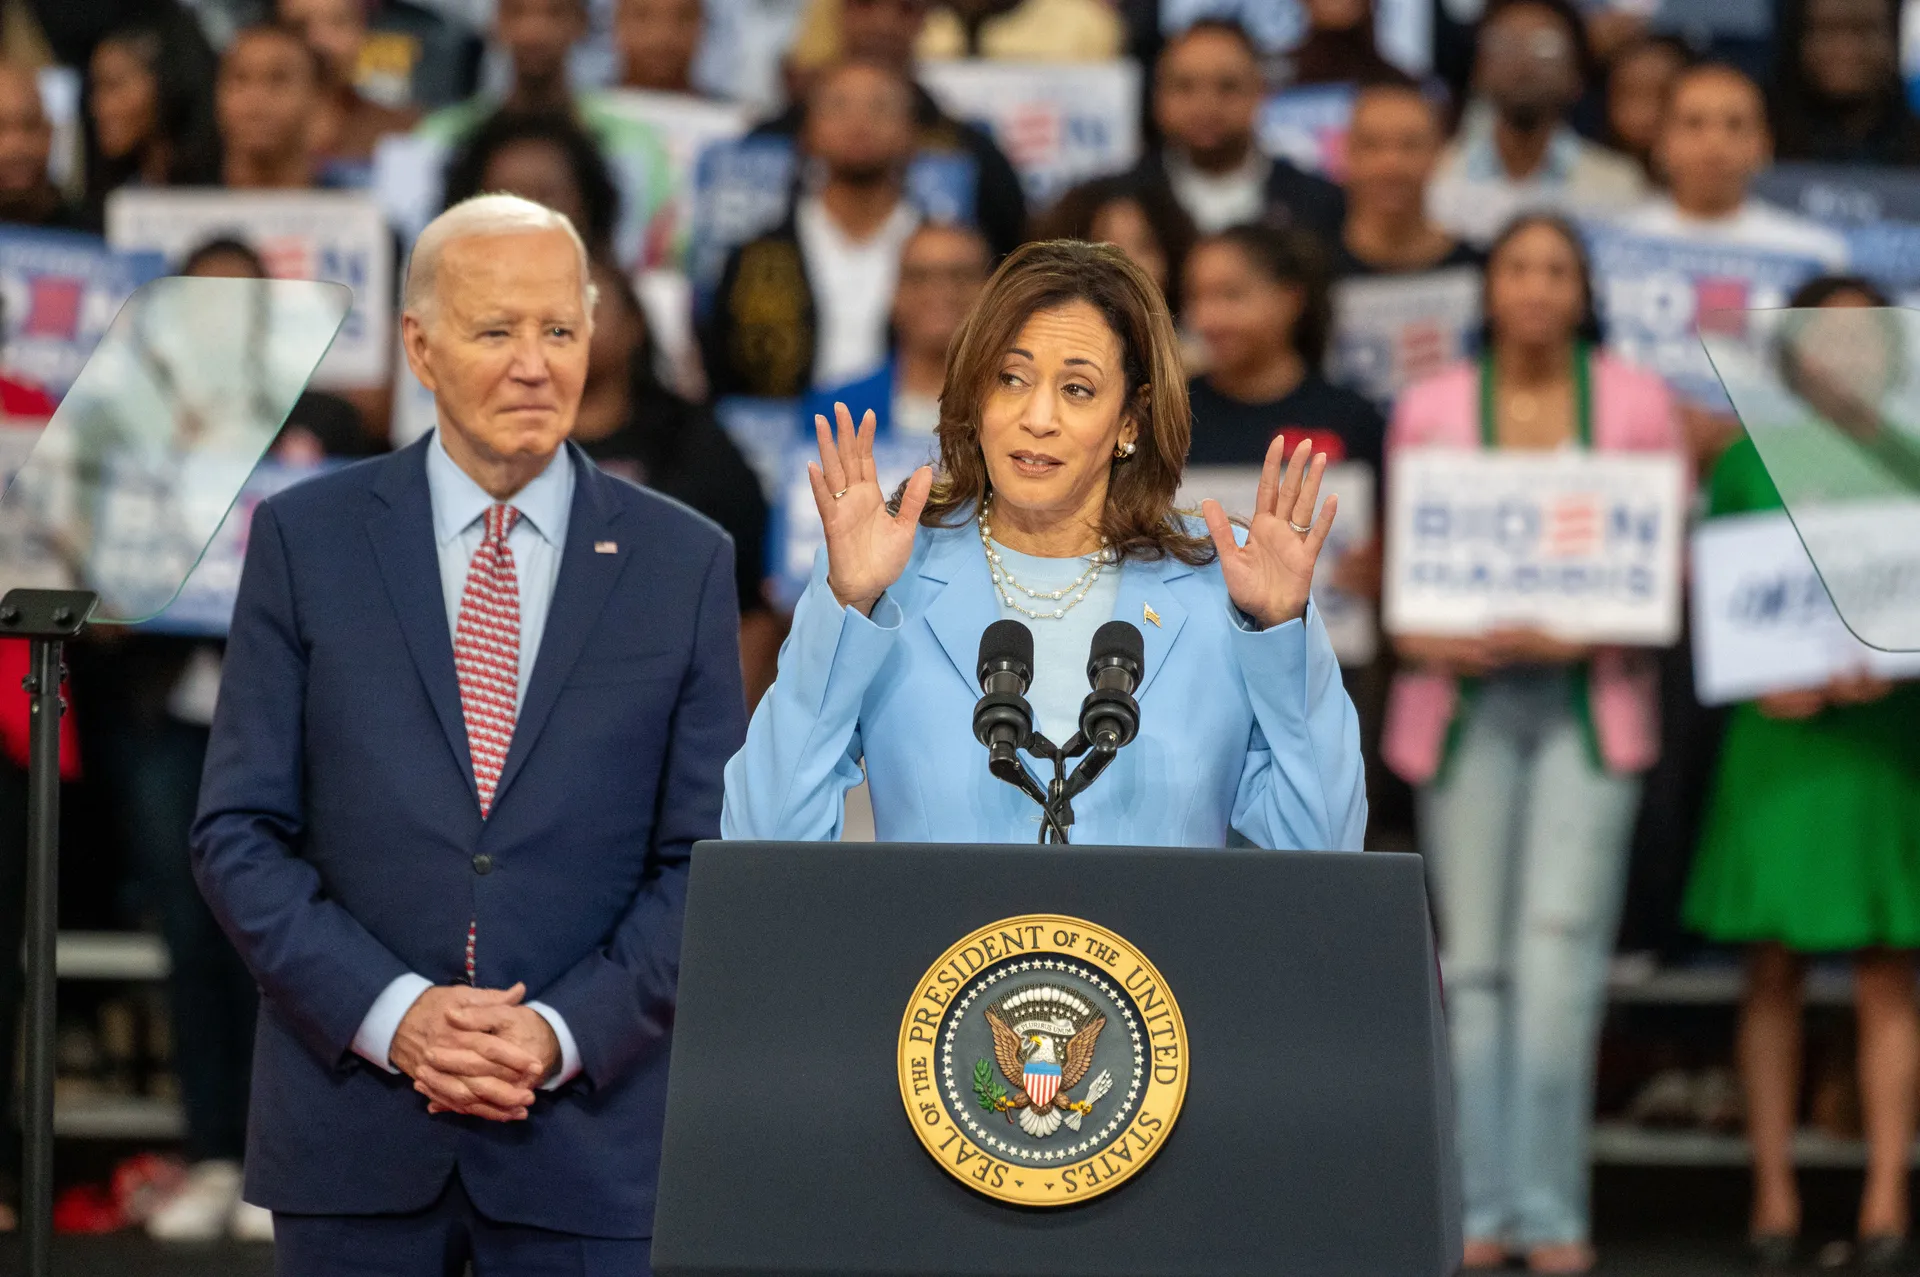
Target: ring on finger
x=1297 y=528
x=843 y=492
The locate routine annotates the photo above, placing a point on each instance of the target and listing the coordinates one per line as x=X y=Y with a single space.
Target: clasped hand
x=475 y=1051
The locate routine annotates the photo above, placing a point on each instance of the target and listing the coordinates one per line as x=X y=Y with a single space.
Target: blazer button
x=483 y=864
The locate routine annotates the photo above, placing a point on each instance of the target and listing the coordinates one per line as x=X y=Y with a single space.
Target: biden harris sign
x=1583 y=546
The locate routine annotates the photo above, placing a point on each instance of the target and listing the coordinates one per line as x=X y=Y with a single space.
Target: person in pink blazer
x=1526 y=753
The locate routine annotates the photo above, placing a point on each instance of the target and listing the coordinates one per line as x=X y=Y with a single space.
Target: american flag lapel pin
x=606 y=547
x=1146 y=610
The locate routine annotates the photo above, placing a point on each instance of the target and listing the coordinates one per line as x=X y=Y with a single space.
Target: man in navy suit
x=476 y=704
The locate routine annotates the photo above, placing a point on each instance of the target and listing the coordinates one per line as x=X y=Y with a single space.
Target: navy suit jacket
x=340 y=841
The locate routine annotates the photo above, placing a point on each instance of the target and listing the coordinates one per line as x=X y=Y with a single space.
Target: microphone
x=1110 y=717
x=1002 y=719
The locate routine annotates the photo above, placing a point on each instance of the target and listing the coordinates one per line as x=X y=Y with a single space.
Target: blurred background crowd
x=1677 y=933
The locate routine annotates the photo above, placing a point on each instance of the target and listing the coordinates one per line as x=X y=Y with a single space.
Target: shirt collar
x=458 y=502
x=1482 y=160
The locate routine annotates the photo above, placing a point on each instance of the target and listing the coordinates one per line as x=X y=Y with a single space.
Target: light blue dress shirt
x=459 y=523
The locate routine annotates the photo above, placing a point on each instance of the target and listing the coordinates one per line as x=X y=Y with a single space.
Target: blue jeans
x=1527 y=842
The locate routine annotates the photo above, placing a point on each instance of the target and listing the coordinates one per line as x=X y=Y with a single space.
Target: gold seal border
x=984 y=1172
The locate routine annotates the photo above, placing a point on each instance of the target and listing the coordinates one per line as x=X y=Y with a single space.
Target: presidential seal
x=1042 y=1060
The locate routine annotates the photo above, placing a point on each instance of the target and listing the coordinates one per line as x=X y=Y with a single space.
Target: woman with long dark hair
x=1063 y=432
x=1527 y=751
x=150 y=102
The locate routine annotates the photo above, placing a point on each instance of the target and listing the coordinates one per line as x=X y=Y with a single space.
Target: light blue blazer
x=1241 y=729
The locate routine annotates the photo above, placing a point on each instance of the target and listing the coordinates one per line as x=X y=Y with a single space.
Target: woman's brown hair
x=1139 y=520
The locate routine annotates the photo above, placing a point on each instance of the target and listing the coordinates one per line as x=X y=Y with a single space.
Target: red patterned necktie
x=486 y=655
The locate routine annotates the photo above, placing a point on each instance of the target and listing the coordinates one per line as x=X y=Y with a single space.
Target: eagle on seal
x=1043 y=1039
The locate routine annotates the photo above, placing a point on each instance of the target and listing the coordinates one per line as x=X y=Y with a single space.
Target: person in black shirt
x=1256 y=297
x=1393 y=145
x=636 y=428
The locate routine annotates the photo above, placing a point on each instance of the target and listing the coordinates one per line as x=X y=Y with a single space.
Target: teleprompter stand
x=46 y=619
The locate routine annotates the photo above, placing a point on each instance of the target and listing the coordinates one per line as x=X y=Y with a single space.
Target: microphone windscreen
x=1009 y=642
x=1119 y=640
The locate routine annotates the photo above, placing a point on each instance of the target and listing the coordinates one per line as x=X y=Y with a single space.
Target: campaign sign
x=1390 y=331
x=1308 y=126
x=1763 y=620
x=204 y=606
x=1351 y=619
x=1876 y=209
x=686 y=126
x=1585 y=546
x=794 y=533
x=1058 y=123
x=58 y=292
x=1656 y=295
x=336 y=236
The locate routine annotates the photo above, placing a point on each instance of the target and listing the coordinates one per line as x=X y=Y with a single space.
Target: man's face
x=334 y=28
x=942 y=270
x=1206 y=94
x=882 y=30
x=860 y=123
x=1713 y=141
x=25 y=136
x=657 y=40
x=538 y=33
x=1850 y=50
x=267 y=94
x=504 y=346
x=1392 y=145
x=1525 y=63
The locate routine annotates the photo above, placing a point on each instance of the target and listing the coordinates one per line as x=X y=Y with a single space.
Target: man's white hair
x=485 y=215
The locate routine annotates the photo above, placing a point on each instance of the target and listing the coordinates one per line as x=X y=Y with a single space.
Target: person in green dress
x=1812 y=845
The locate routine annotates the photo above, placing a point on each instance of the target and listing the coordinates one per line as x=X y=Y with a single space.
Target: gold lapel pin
x=606 y=547
x=1146 y=610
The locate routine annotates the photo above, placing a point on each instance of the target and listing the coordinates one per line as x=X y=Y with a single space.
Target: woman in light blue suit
x=1063 y=429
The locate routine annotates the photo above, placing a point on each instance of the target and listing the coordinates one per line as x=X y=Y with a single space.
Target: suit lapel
x=966 y=605
x=403 y=546
x=1143 y=590
x=586 y=580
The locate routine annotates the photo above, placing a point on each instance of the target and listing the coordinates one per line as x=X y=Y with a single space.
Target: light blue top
x=1240 y=729
x=459 y=522
x=1060 y=646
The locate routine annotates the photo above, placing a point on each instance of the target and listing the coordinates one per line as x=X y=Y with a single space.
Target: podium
x=835 y=996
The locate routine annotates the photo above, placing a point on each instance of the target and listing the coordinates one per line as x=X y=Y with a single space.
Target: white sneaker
x=202 y=1208
x=251 y=1223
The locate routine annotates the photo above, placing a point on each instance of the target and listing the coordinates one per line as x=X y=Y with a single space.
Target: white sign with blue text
x=1058 y=123
x=1583 y=546
x=1763 y=620
x=337 y=236
x=1656 y=295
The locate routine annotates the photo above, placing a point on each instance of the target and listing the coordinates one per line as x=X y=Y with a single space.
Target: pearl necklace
x=1002 y=578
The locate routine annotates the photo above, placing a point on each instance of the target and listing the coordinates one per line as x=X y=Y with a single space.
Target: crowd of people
x=1539 y=777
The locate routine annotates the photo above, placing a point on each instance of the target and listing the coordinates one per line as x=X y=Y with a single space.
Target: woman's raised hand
x=867 y=548
x=1270 y=577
